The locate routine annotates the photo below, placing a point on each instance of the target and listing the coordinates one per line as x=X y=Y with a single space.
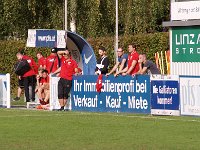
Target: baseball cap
x=54 y=50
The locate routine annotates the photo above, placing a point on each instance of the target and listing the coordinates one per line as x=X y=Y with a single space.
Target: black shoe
x=61 y=109
x=16 y=99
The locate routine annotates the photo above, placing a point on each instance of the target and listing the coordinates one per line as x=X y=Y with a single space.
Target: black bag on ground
x=21 y=67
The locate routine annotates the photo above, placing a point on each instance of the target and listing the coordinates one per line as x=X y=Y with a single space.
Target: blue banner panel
x=46 y=38
x=120 y=94
x=165 y=95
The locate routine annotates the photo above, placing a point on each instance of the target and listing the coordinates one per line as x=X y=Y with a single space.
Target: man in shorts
x=68 y=68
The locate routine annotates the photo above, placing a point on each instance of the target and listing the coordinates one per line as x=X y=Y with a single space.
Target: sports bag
x=21 y=67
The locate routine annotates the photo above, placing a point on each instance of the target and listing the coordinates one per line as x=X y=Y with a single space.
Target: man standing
x=52 y=61
x=147 y=66
x=102 y=63
x=121 y=63
x=41 y=60
x=29 y=76
x=68 y=68
x=133 y=66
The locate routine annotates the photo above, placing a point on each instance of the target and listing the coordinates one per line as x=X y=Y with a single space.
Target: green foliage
x=146 y=43
x=93 y=18
x=8 y=50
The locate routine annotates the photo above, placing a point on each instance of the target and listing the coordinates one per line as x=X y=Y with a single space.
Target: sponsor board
x=61 y=35
x=31 y=38
x=5 y=90
x=185 y=10
x=186 y=44
x=190 y=95
x=46 y=38
x=165 y=95
x=121 y=94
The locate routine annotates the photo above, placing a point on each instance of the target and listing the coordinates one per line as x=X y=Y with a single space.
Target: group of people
x=36 y=79
x=60 y=63
x=127 y=64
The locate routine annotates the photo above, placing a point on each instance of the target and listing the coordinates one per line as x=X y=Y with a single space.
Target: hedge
x=146 y=43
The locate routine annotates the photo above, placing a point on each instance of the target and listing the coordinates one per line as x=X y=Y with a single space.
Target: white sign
x=5 y=90
x=61 y=39
x=54 y=102
x=185 y=10
x=31 y=38
x=190 y=95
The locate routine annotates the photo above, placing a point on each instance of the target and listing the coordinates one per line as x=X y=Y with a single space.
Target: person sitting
x=121 y=62
x=147 y=66
x=43 y=87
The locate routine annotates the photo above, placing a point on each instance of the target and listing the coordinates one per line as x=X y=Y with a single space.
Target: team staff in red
x=29 y=77
x=68 y=68
x=52 y=61
x=133 y=57
x=41 y=60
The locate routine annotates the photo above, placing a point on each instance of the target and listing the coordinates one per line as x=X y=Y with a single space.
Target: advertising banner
x=61 y=41
x=185 y=10
x=190 y=95
x=31 y=38
x=120 y=94
x=165 y=95
x=46 y=38
x=186 y=44
x=5 y=90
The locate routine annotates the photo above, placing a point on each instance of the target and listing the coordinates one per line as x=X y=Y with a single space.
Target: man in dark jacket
x=29 y=76
x=102 y=63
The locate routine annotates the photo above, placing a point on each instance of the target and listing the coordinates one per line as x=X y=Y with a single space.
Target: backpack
x=21 y=67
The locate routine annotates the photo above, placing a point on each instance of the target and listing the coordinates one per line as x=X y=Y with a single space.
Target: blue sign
x=165 y=95
x=120 y=94
x=46 y=38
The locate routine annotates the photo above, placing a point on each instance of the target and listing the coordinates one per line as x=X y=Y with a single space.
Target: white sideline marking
x=99 y=114
x=143 y=117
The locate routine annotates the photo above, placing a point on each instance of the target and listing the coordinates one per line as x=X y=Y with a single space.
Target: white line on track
x=100 y=114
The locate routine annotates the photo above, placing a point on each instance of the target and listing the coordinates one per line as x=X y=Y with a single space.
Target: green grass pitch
x=45 y=130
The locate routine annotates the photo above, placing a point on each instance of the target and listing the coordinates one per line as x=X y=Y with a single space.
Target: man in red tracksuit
x=29 y=77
